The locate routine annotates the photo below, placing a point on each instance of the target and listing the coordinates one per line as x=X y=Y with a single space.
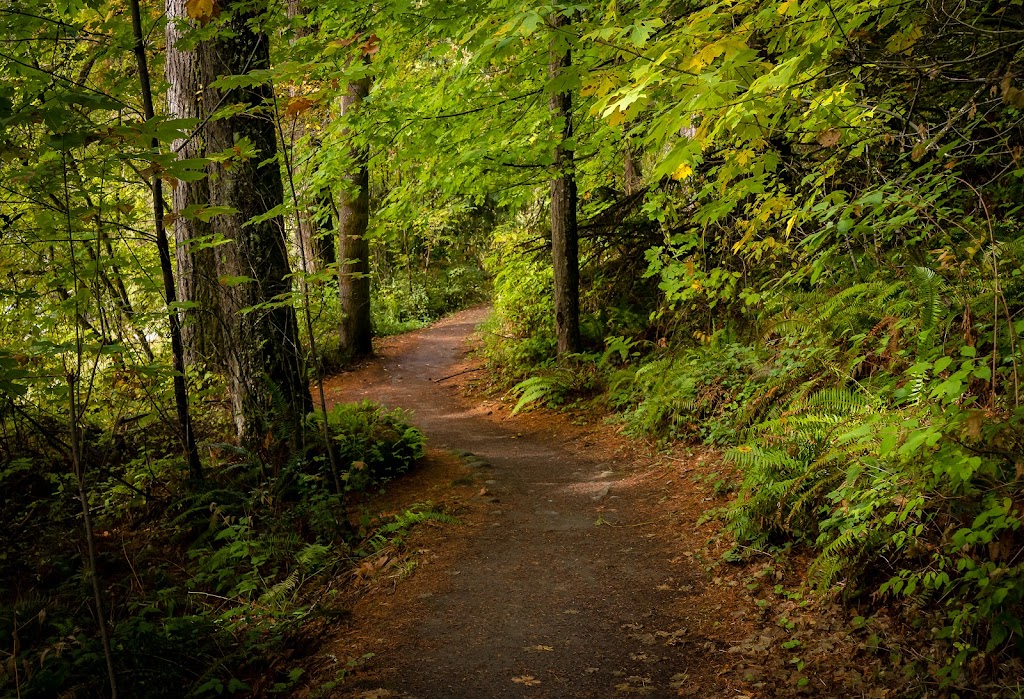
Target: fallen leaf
x=546 y=649
x=527 y=680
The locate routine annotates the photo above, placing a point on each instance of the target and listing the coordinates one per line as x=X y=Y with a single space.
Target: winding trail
x=560 y=592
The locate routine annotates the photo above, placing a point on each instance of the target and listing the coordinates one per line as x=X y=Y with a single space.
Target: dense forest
x=786 y=229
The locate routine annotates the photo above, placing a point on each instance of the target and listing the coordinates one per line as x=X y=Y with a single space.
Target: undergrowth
x=874 y=429
x=216 y=591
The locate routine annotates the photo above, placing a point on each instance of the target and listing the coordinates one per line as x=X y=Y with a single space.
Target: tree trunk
x=188 y=438
x=187 y=74
x=631 y=172
x=564 y=235
x=353 y=249
x=315 y=233
x=261 y=342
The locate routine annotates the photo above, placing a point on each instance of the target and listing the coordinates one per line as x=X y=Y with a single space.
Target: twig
x=458 y=373
x=638 y=524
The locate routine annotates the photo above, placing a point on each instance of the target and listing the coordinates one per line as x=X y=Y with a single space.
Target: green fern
x=394 y=532
x=281 y=592
x=536 y=388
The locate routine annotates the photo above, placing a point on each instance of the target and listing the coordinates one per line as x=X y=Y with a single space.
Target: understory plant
x=221 y=588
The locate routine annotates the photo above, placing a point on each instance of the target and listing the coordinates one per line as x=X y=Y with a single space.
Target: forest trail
x=560 y=588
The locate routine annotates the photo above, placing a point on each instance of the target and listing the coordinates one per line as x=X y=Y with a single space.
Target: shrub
x=373 y=444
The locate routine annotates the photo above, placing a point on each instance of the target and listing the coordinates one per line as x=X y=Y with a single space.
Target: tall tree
x=314 y=232
x=187 y=70
x=564 y=234
x=163 y=248
x=258 y=332
x=353 y=248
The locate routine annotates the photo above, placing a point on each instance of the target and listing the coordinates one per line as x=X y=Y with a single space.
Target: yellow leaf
x=545 y=649
x=201 y=10
x=904 y=40
x=682 y=172
x=744 y=240
x=710 y=53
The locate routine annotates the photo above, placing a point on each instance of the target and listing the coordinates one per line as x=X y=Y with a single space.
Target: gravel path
x=560 y=593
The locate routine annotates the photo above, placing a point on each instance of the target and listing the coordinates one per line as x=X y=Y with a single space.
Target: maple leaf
x=682 y=172
x=830 y=138
x=371 y=46
x=527 y=680
x=297 y=105
x=202 y=10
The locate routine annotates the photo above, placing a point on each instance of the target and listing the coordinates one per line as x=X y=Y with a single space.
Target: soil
x=580 y=568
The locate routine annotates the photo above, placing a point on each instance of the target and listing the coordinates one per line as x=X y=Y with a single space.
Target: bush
x=373 y=444
x=698 y=393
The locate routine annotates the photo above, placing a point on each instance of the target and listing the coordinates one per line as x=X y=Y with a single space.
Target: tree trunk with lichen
x=353 y=249
x=187 y=73
x=263 y=358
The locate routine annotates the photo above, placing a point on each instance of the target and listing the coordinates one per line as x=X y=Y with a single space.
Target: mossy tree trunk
x=564 y=234
x=353 y=248
x=263 y=358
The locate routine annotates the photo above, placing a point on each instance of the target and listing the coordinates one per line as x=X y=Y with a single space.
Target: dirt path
x=561 y=586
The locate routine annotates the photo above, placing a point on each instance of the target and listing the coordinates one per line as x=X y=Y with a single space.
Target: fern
x=534 y=389
x=278 y=594
x=394 y=532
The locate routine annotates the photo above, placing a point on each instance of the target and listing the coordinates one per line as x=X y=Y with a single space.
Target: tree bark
x=564 y=234
x=632 y=176
x=356 y=331
x=187 y=74
x=188 y=439
x=315 y=233
x=261 y=341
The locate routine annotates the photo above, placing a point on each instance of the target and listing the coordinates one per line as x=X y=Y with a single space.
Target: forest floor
x=584 y=564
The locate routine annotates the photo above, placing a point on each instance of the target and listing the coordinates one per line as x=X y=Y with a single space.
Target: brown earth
x=583 y=566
